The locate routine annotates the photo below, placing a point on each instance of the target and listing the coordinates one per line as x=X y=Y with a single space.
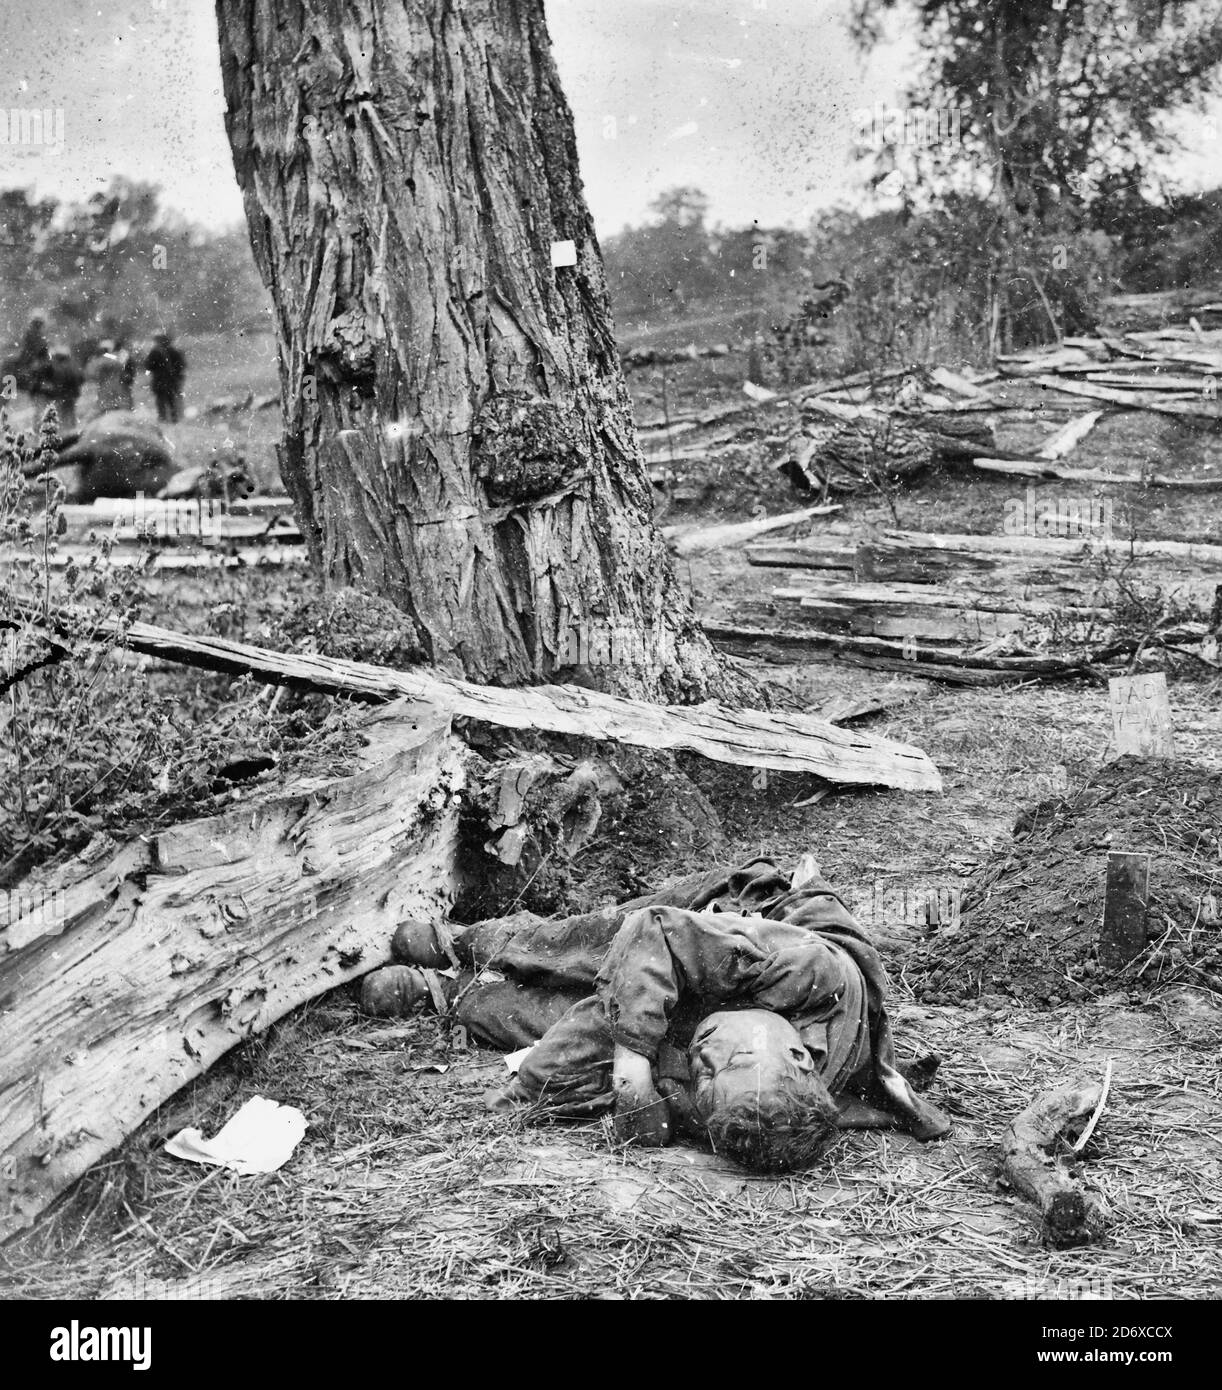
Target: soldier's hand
x=642 y=1117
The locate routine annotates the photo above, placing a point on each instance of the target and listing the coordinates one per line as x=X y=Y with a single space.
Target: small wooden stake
x=1141 y=716
x=1123 y=934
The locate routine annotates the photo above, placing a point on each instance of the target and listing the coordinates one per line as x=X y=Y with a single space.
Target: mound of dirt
x=1031 y=916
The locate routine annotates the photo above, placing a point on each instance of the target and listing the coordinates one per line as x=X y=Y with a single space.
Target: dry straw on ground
x=405 y=1186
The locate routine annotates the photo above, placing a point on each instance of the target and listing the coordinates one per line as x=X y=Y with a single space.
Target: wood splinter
x=1072 y=1214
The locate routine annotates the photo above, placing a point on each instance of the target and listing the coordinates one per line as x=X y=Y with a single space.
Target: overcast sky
x=751 y=102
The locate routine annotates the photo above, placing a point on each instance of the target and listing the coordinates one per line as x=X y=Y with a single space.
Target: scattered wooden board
x=1069 y=436
x=752 y=738
x=699 y=540
x=1034 y=468
x=1203 y=413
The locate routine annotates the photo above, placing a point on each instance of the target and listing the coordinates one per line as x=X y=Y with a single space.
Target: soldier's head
x=755 y=1091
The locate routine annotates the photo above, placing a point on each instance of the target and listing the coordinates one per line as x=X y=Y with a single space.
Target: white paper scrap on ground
x=260 y=1138
x=514 y=1060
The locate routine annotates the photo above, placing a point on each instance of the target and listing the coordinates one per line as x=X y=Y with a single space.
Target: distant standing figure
x=34 y=345
x=166 y=367
x=34 y=359
x=61 y=383
x=112 y=370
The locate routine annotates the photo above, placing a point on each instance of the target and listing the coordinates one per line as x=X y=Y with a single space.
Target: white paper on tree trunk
x=260 y=1138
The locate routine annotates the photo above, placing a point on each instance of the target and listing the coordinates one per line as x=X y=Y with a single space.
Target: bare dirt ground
x=405 y=1186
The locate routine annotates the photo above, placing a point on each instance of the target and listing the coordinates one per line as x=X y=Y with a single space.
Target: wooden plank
x=1069 y=436
x=1122 y=936
x=960 y=385
x=906 y=596
x=958 y=626
x=1191 y=552
x=1181 y=385
x=162 y=954
x=781 y=741
x=1034 y=468
x=1141 y=716
x=103 y=511
x=1125 y=398
x=907 y=650
x=951 y=675
x=818 y=552
x=699 y=540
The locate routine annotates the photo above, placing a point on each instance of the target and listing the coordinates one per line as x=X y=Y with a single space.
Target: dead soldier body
x=745 y=1011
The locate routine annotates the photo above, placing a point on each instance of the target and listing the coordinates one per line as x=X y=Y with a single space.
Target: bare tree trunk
x=458 y=435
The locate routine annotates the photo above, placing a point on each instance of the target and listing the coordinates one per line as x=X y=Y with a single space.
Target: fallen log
x=779 y=741
x=135 y=967
x=1071 y=1214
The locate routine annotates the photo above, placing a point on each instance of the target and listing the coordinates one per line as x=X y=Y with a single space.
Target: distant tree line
x=676 y=260
x=119 y=266
x=924 y=280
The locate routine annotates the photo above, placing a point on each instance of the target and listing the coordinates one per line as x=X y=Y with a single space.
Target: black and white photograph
x=610 y=667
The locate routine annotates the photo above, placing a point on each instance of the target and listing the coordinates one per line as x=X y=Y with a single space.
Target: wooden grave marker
x=1123 y=933
x=1141 y=716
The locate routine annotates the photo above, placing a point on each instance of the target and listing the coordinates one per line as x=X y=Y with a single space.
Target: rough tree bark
x=457 y=432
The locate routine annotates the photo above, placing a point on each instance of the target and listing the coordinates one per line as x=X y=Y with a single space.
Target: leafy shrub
x=94 y=737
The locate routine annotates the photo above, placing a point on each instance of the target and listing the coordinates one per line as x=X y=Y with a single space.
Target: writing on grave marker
x=1141 y=716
